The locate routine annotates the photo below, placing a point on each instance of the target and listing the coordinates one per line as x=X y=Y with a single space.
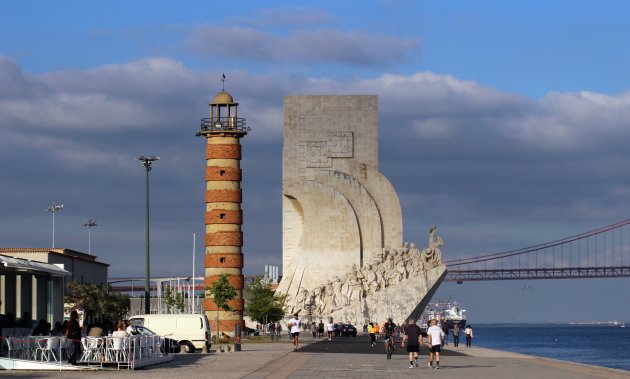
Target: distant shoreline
x=616 y=324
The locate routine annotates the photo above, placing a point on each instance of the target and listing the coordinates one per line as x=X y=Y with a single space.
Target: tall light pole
x=54 y=208
x=146 y=162
x=91 y=223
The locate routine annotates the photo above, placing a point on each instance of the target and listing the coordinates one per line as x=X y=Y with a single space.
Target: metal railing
x=221 y=124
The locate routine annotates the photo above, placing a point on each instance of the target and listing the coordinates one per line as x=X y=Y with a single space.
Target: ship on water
x=448 y=313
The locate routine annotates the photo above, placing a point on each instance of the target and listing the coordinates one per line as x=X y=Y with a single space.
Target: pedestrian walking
x=314 y=330
x=413 y=338
x=436 y=339
x=278 y=330
x=372 y=333
x=445 y=330
x=469 y=335
x=331 y=328
x=455 y=335
x=74 y=334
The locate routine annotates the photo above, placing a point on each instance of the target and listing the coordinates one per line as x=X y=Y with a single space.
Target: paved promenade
x=346 y=358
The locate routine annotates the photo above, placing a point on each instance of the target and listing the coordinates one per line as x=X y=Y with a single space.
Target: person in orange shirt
x=377 y=328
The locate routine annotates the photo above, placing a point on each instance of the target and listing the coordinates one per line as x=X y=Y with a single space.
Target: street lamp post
x=91 y=223
x=54 y=208
x=146 y=162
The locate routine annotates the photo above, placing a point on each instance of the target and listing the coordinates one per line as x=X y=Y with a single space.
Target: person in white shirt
x=330 y=328
x=120 y=330
x=469 y=335
x=436 y=339
x=295 y=326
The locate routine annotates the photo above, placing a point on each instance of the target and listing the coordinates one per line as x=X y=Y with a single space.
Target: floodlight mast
x=54 y=208
x=91 y=223
x=147 y=162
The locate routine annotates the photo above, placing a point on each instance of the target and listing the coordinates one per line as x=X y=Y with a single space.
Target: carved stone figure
x=301 y=301
x=337 y=294
x=432 y=254
x=353 y=289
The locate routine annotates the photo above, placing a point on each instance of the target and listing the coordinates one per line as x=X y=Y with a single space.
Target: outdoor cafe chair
x=48 y=348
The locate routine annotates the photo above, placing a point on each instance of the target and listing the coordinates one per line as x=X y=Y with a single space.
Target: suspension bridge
x=599 y=253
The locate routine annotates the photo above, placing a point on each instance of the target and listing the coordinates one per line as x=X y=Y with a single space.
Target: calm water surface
x=607 y=346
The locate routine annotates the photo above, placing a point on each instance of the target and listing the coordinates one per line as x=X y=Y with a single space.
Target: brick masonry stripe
x=223 y=152
x=224 y=196
x=235 y=305
x=223 y=260
x=216 y=173
x=221 y=216
x=224 y=239
x=236 y=281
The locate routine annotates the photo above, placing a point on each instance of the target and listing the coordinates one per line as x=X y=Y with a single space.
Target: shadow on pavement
x=361 y=345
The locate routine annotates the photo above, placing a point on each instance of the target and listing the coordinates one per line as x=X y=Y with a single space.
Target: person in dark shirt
x=413 y=337
x=74 y=334
x=40 y=329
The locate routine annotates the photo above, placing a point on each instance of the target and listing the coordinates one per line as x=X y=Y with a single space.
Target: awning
x=18 y=264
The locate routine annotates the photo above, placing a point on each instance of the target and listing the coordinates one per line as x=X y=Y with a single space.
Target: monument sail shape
x=342 y=221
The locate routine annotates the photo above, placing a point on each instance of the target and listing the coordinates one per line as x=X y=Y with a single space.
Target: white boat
x=448 y=313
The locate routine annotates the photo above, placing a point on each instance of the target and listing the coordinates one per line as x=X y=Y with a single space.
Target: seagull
x=526 y=287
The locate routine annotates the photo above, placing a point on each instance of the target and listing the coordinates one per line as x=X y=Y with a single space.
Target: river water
x=607 y=346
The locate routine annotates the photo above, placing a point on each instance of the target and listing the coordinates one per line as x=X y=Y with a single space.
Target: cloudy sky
x=505 y=124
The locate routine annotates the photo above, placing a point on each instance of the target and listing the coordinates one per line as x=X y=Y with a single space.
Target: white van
x=192 y=331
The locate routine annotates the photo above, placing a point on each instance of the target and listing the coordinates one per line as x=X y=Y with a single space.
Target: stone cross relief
x=387 y=268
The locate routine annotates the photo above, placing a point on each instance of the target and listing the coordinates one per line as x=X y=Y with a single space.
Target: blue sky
x=514 y=117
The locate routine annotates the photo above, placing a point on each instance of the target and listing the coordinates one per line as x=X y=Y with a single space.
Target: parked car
x=348 y=330
x=173 y=345
x=192 y=331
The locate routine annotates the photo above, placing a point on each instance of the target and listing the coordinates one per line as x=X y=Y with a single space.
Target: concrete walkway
x=347 y=358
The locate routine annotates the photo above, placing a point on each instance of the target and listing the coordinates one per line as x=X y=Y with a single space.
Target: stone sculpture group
x=388 y=268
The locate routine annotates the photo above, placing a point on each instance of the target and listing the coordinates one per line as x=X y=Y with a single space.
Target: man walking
x=413 y=337
x=436 y=339
x=456 y=335
x=469 y=335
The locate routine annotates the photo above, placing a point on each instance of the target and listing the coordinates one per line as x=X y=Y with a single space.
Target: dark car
x=348 y=330
x=171 y=343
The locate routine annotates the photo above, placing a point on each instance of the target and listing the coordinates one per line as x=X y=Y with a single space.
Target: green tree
x=174 y=299
x=222 y=292
x=96 y=301
x=262 y=303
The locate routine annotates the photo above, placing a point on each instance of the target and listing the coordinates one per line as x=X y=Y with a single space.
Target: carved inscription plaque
x=317 y=154
x=340 y=144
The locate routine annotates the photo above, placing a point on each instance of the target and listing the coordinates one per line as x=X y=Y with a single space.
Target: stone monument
x=343 y=254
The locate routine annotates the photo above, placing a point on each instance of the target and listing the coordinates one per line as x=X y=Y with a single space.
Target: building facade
x=39 y=290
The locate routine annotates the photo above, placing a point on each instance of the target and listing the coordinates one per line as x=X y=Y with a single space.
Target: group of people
x=318 y=329
x=413 y=338
x=295 y=326
x=273 y=328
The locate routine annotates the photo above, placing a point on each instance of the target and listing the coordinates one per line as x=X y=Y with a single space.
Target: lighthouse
x=223 y=131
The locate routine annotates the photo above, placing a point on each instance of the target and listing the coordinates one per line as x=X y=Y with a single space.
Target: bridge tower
x=223 y=218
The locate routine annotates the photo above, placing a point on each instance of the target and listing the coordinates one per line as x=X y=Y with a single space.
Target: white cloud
x=459 y=153
x=328 y=46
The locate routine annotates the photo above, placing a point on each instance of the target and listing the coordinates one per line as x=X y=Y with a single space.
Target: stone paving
x=347 y=357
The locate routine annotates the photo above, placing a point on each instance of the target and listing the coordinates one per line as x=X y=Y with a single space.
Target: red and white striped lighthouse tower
x=224 y=238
